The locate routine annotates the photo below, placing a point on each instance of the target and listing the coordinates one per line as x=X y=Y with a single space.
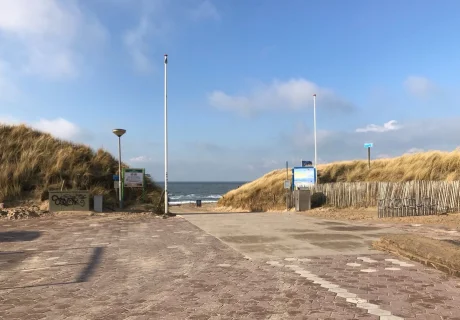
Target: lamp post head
x=119 y=132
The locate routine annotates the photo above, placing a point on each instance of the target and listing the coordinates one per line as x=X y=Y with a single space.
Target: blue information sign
x=303 y=176
x=368 y=145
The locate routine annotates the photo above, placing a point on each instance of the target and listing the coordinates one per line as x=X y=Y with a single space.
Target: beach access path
x=211 y=266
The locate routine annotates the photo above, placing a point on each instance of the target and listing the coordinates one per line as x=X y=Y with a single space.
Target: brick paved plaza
x=150 y=268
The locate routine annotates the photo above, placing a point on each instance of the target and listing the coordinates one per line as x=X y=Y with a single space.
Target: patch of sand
x=370 y=214
x=442 y=255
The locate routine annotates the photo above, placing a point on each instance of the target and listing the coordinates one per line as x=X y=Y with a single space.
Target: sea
x=207 y=192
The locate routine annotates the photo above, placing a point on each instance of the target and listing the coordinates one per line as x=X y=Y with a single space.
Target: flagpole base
x=169 y=214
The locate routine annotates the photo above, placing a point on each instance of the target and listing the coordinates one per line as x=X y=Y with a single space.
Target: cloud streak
x=140 y=159
x=391 y=125
x=157 y=21
x=205 y=10
x=135 y=41
x=420 y=87
x=293 y=94
x=415 y=150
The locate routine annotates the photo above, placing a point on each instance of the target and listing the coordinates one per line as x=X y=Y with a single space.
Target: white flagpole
x=314 y=128
x=166 y=134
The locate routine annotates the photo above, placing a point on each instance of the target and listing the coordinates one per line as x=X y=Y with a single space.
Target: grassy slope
x=32 y=162
x=267 y=192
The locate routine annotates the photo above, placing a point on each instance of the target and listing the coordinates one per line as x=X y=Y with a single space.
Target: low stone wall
x=71 y=200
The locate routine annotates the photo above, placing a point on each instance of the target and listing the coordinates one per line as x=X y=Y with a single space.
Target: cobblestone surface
x=147 y=269
x=150 y=268
x=406 y=289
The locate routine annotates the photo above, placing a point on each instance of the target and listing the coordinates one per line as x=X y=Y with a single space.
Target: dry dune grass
x=32 y=162
x=432 y=165
x=267 y=193
x=263 y=194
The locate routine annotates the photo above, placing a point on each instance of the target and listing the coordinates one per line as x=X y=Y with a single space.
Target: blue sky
x=241 y=79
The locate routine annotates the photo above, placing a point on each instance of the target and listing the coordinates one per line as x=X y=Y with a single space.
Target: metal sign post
x=287 y=186
x=368 y=145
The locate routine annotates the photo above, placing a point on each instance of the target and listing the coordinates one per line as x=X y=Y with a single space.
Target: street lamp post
x=314 y=129
x=119 y=133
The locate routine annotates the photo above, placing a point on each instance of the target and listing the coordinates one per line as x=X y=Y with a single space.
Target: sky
x=241 y=79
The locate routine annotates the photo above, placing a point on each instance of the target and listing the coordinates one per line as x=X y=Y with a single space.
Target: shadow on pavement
x=38 y=286
x=84 y=275
x=17 y=236
x=4 y=253
x=93 y=263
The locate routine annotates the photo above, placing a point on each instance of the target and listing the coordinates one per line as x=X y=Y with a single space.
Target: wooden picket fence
x=446 y=194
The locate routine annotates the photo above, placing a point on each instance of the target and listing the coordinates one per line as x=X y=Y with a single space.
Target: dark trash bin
x=198 y=203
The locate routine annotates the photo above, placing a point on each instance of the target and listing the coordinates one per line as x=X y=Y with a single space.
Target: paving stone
x=123 y=270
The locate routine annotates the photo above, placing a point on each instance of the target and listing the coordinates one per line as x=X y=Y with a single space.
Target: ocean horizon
x=183 y=192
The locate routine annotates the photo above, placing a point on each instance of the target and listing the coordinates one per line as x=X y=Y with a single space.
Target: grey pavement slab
x=271 y=235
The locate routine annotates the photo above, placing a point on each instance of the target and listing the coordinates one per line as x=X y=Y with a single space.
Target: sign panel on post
x=306 y=163
x=304 y=177
x=133 y=178
x=287 y=184
x=368 y=145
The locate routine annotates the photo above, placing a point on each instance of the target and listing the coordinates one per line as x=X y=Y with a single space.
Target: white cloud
x=205 y=10
x=419 y=87
x=47 y=37
x=294 y=94
x=427 y=134
x=391 y=125
x=59 y=128
x=415 y=150
x=141 y=159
